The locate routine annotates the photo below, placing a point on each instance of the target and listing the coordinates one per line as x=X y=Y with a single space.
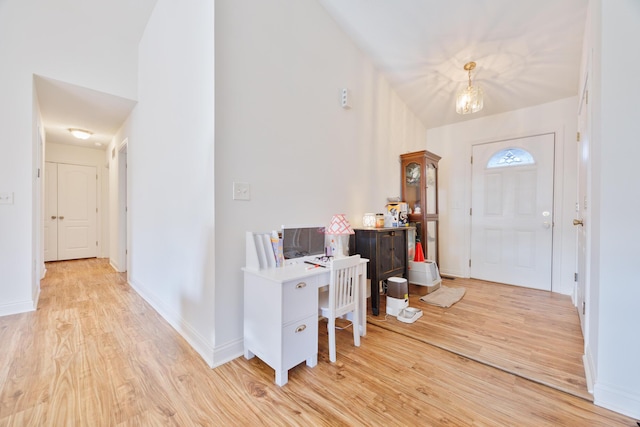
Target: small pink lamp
x=339 y=231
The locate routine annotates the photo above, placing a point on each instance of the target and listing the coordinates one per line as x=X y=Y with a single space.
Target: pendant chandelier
x=469 y=98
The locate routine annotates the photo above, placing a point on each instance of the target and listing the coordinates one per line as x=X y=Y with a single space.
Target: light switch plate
x=344 y=99
x=241 y=191
x=6 y=198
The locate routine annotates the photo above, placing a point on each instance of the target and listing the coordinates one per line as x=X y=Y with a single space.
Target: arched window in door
x=510 y=157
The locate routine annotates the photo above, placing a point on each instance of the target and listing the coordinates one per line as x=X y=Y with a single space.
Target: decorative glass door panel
x=432 y=205
x=420 y=192
x=413 y=184
x=431 y=244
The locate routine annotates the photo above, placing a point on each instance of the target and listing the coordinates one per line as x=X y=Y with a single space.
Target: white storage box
x=425 y=273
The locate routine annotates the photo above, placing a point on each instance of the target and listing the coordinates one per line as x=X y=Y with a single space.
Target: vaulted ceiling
x=528 y=52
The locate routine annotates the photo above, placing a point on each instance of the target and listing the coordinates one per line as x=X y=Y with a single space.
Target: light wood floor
x=531 y=333
x=96 y=354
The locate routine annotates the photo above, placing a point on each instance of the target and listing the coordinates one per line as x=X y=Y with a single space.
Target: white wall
x=614 y=342
x=280 y=128
x=60 y=153
x=171 y=170
x=454 y=143
x=71 y=154
x=32 y=43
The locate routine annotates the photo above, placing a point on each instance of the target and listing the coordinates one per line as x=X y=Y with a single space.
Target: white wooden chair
x=341 y=299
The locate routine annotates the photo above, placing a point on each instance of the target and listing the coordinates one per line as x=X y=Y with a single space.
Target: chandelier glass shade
x=469 y=98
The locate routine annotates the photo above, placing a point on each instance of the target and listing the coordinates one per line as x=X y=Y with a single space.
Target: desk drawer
x=299 y=341
x=299 y=299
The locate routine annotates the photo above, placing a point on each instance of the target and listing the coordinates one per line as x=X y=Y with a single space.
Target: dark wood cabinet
x=388 y=252
x=420 y=192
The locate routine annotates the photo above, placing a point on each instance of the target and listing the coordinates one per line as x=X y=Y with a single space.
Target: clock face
x=412 y=172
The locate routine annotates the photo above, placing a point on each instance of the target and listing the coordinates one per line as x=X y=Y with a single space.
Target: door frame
x=559 y=210
x=583 y=212
x=49 y=227
x=95 y=188
x=538 y=146
x=580 y=297
x=122 y=207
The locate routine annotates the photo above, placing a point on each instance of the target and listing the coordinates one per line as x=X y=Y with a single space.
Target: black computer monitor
x=298 y=242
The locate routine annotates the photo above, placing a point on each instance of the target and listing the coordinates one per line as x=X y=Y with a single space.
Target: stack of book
x=264 y=250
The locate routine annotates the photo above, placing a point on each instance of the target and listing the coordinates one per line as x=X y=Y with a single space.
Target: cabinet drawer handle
x=301 y=285
x=301 y=328
x=392 y=233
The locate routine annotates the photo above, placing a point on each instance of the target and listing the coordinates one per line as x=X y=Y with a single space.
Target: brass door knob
x=577 y=222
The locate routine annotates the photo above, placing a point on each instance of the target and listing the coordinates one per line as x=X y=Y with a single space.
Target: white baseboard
x=36 y=298
x=447 y=274
x=617 y=400
x=115 y=266
x=19 y=307
x=589 y=369
x=227 y=352
x=211 y=355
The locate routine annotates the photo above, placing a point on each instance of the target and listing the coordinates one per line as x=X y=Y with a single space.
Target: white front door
x=70 y=206
x=512 y=211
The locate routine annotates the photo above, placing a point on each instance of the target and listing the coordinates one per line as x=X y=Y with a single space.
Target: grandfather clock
x=420 y=192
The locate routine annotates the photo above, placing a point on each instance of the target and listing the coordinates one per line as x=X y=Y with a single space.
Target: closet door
x=76 y=212
x=70 y=212
x=51 y=211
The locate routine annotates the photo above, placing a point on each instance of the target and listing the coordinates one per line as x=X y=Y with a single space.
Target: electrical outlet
x=6 y=198
x=241 y=191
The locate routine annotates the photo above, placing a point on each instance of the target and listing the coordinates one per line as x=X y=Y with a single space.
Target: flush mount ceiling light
x=469 y=99
x=80 y=133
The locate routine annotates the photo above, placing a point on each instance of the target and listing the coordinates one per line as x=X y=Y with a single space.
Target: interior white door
x=50 y=211
x=70 y=212
x=582 y=213
x=76 y=212
x=512 y=211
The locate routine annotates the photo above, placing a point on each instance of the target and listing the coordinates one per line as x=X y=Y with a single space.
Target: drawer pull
x=301 y=328
x=392 y=233
x=301 y=285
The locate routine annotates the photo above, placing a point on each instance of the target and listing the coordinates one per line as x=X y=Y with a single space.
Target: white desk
x=281 y=314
